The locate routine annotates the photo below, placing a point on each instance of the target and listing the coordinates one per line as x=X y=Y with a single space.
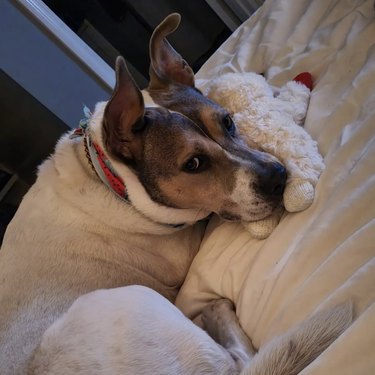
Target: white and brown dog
x=119 y=204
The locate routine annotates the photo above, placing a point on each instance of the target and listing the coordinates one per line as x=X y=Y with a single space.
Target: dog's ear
x=167 y=66
x=124 y=116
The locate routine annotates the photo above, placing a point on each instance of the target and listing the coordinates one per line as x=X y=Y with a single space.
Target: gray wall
x=43 y=68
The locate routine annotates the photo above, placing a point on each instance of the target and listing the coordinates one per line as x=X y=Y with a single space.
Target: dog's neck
x=125 y=184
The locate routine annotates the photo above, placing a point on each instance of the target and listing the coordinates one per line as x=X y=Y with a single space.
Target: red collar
x=101 y=164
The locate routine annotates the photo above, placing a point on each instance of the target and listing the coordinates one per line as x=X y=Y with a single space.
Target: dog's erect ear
x=167 y=66
x=123 y=115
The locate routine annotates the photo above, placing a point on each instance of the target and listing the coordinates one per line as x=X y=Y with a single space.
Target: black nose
x=272 y=180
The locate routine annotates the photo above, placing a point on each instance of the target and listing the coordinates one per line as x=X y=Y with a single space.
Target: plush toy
x=270 y=119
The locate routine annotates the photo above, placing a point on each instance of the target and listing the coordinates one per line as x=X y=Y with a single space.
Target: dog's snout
x=272 y=180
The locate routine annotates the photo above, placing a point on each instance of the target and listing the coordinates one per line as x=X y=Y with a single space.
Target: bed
x=324 y=255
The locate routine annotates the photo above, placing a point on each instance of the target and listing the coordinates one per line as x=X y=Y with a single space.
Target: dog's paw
x=298 y=196
x=215 y=314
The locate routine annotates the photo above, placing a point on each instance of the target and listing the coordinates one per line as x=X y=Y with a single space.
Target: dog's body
x=103 y=333
x=72 y=234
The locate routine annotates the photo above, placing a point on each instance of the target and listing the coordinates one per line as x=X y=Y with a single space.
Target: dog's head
x=218 y=171
x=190 y=158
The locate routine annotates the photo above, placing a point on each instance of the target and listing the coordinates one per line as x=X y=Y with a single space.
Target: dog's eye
x=229 y=124
x=196 y=164
x=193 y=164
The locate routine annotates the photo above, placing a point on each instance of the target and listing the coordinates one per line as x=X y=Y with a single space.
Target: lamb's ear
x=123 y=115
x=167 y=66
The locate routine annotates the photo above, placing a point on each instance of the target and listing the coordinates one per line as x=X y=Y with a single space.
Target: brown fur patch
x=161 y=169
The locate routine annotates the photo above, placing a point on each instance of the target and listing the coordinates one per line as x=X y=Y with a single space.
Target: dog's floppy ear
x=167 y=66
x=124 y=116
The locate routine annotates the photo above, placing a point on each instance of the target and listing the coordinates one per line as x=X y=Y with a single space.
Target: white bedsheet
x=325 y=254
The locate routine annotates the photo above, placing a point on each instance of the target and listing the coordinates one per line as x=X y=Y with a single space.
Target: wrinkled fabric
x=324 y=255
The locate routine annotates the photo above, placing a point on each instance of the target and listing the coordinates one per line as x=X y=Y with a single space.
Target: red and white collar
x=100 y=162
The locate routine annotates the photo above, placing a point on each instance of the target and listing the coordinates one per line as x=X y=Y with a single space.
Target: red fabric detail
x=116 y=183
x=306 y=79
x=78 y=132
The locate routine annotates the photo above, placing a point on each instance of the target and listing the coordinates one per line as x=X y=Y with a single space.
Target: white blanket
x=325 y=254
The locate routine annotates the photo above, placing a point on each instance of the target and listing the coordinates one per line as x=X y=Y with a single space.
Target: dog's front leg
x=221 y=323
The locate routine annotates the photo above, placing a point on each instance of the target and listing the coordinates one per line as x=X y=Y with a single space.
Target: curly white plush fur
x=271 y=121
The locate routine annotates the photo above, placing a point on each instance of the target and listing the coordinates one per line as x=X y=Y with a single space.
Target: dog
x=120 y=203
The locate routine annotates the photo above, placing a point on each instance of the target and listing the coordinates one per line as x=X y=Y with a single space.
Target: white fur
x=134 y=330
x=243 y=196
x=272 y=122
x=131 y=330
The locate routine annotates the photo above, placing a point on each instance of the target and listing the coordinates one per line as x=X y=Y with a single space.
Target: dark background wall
x=125 y=26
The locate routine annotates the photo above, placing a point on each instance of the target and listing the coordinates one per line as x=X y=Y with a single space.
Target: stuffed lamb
x=272 y=121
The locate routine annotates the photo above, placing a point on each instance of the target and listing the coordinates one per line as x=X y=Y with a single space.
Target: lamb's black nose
x=272 y=180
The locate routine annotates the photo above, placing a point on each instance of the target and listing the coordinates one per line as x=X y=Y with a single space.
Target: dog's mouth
x=251 y=215
x=262 y=215
x=227 y=216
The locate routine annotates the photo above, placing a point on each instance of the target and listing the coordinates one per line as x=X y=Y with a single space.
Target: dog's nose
x=272 y=180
